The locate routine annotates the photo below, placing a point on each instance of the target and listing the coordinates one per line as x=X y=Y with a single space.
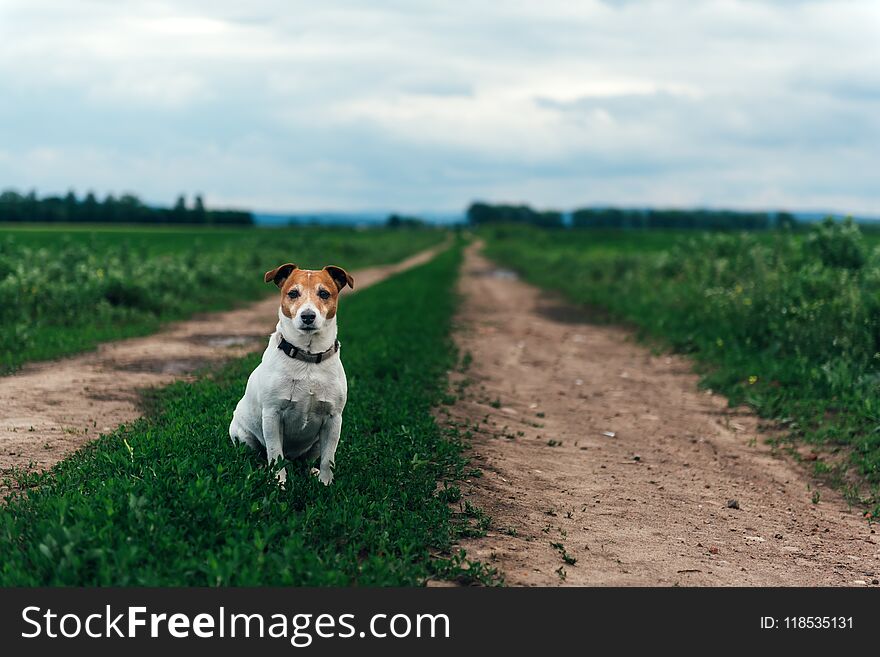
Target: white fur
x=293 y=408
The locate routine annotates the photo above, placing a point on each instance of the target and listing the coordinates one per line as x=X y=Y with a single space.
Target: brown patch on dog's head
x=307 y=287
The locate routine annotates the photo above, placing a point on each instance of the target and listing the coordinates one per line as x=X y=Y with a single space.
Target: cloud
x=419 y=106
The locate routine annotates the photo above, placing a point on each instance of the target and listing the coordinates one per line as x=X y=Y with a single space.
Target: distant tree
x=199 y=216
x=483 y=213
x=398 y=221
x=90 y=208
x=71 y=207
x=30 y=207
x=129 y=209
x=480 y=213
x=179 y=211
x=52 y=209
x=11 y=206
x=108 y=209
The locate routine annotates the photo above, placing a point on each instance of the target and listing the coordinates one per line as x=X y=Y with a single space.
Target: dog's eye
x=324 y=294
x=293 y=294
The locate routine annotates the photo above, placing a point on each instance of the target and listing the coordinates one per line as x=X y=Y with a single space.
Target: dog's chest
x=311 y=386
x=307 y=399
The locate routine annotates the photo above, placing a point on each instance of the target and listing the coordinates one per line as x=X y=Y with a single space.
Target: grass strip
x=169 y=500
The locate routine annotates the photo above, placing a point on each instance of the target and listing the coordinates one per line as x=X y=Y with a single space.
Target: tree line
x=403 y=221
x=484 y=213
x=127 y=208
x=633 y=218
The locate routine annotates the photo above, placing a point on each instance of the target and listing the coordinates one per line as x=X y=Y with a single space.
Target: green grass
x=170 y=501
x=788 y=324
x=66 y=289
x=148 y=239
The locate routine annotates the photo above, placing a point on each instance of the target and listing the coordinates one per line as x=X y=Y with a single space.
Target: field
x=66 y=289
x=584 y=460
x=788 y=324
x=170 y=501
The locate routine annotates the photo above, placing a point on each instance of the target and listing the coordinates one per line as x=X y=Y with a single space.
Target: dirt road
x=49 y=409
x=681 y=490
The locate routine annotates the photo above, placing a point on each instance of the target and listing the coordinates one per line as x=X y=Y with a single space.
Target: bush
x=838 y=244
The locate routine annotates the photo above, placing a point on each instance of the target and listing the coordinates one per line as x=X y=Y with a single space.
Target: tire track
x=681 y=490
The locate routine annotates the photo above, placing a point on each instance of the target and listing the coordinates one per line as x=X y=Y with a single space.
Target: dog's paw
x=325 y=477
x=281 y=476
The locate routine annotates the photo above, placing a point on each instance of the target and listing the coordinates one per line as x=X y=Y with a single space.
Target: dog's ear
x=340 y=276
x=279 y=274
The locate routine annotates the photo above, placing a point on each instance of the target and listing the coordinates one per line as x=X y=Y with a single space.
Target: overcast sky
x=426 y=105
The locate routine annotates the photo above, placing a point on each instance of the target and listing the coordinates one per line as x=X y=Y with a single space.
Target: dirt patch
x=605 y=465
x=48 y=410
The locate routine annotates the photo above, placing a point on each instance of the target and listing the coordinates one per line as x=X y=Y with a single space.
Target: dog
x=293 y=402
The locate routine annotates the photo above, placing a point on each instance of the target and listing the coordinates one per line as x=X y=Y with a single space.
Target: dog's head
x=309 y=297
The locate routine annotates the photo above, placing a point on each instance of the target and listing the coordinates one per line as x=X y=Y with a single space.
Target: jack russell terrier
x=293 y=402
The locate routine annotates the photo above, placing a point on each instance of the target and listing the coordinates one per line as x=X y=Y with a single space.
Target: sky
x=413 y=106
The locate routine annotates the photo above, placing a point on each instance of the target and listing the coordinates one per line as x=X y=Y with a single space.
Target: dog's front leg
x=273 y=439
x=328 y=441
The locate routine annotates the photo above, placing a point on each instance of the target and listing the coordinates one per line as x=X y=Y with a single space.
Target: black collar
x=306 y=356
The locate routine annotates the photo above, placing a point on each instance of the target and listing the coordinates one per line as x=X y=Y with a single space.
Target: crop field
x=788 y=324
x=65 y=289
x=148 y=240
x=169 y=500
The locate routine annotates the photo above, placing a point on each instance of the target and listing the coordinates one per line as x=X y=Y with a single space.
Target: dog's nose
x=307 y=316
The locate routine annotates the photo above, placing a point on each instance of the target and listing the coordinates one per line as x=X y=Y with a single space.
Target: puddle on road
x=227 y=340
x=163 y=366
x=503 y=274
